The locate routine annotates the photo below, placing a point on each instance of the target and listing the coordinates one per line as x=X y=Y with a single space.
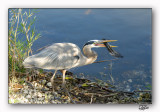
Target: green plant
x=21 y=37
x=149 y=87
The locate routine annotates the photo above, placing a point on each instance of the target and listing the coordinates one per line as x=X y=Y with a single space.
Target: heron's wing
x=64 y=61
x=56 y=56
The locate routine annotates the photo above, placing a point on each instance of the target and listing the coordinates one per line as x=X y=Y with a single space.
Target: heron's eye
x=95 y=43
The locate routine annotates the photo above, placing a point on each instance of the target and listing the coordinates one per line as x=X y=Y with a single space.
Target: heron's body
x=61 y=56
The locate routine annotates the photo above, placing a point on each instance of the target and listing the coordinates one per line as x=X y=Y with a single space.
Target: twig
x=105 y=61
x=91 y=99
x=114 y=94
x=142 y=91
x=104 y=88
x=42 y=48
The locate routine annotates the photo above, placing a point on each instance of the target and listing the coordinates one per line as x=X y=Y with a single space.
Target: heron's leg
x=64 y=82
x=64 y=87
x=52 y=80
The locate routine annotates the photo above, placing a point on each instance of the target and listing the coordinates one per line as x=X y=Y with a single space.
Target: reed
x=21 y=36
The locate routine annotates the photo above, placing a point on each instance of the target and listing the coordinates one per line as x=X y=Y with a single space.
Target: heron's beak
x=101 y=43
x=108 y=40
x=113 y=46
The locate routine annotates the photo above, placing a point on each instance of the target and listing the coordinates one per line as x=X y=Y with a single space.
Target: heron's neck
x=90 y=55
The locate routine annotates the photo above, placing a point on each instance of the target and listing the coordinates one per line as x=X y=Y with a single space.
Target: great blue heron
x=64 y=56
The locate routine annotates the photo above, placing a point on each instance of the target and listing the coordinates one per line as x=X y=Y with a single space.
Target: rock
x=34 y=96
x=43 y=82
x=39 y=94
x=49 y=84
x=28 y=96
x=41 y=99
x=30 y=92
x=25 y=92
x=45 y=89
x=55 y=102
x=39 y=87
x=25 y=87
x=32 y=100
x=28 y=84
x=35 y=84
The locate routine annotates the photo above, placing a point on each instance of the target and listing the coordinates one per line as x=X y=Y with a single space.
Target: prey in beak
x=109 y=48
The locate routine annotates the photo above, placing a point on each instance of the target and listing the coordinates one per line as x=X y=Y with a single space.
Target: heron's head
x=98 y=43
x=103 y=43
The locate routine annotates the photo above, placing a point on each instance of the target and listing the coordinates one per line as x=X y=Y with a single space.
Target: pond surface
x=131 y=27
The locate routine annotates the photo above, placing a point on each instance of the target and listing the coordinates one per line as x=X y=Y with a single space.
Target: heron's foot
x=64 y=84
x=53 y=90
x=62 y=90
x=68 y=94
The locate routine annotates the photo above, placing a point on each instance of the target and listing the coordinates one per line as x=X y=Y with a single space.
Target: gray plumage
x=57 y=56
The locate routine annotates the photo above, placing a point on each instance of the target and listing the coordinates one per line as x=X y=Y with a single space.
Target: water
x=131 y=27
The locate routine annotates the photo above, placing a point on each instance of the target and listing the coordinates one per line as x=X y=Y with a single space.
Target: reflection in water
x=88 y=12
x=131 y=27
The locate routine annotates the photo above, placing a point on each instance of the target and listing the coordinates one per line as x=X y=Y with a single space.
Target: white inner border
x=5 y=4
